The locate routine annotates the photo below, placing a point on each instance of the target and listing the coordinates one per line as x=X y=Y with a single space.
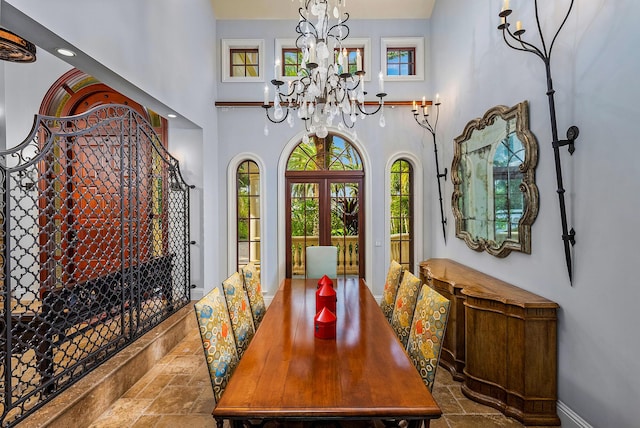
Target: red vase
x=326 y=298
x=325 y=280
x=325 y=324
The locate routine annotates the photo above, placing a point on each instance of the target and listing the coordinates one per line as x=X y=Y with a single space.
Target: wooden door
x=106 y=202
x=325 y=208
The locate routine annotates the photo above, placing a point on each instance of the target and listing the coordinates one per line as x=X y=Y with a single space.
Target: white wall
x=594 y=70
x=161 y=54
x=241 y=130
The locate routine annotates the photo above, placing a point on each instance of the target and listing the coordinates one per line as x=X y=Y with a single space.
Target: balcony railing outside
x=348 y=252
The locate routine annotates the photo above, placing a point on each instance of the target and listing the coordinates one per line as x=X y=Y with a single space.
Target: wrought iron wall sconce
x=514 y=41
x=421 y=115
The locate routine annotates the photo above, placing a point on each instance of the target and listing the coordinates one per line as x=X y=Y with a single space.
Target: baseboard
x=91 y=396
x=569 y=418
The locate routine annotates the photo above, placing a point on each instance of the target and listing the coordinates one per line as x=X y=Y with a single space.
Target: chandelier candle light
x=514 y=41
x=421 y=115
x=324 y=88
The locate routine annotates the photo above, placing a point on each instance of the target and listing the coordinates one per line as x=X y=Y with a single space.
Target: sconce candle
x=358 y=61
x=266 y=96
x=275 y=69
x=381 y=82
x=518 y=25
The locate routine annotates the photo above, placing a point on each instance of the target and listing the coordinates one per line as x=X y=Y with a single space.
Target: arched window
x=401 y=213
x=248 y=214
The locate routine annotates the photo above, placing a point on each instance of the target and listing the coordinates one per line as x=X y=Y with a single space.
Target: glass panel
x=304 y=223
x=254 y=229
x=333 y=153
x=243 y=229
x=393 y=56
x=393 y=70
x=290 y=70
x=237 y=71
x=237 y=58
x=345 y=226
x=254 y=206
x=252 y=57
x=248 y=212
x=252 y=70
x=253 y=168
x=401 y=231
x=243 y=253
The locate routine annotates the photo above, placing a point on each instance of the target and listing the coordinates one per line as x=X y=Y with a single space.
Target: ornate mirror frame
x=473 y=135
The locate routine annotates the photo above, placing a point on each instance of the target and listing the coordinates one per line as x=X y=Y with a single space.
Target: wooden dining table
x=287 y=373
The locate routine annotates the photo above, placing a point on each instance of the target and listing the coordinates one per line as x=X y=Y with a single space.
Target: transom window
x=352 y=57
x=248 y=213
x=401 y=61
x=244 y=63
x=321 y=154
x=401 y=211
x=291 y=61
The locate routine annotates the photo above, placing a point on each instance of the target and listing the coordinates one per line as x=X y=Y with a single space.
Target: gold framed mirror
x=495 y=198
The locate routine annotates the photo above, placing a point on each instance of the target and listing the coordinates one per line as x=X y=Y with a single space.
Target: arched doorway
x=81 y=181
x=325 y=203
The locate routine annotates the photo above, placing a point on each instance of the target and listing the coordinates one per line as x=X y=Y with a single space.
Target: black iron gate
x=94 y=248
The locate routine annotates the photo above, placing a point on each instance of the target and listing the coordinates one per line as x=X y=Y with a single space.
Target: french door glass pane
x=345 y=226
x=304 y=219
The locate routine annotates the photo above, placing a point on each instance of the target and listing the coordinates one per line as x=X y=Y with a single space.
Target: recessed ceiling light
x=65 y=52
x=172 y=116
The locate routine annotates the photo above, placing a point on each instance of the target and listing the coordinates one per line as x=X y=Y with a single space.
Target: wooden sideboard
x=501 y=341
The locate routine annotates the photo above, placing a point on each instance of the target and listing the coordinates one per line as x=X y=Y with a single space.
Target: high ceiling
x=288 y=9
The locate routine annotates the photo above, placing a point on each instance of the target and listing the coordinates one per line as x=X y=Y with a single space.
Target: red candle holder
x=325 y=324
x=325 y=280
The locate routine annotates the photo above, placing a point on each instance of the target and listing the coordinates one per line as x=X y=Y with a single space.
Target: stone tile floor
x=177 y=393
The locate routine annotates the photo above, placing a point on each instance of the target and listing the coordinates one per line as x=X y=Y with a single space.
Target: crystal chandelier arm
x=348 y=124
x=336 y=28
x=266 y=110
x=373 y=112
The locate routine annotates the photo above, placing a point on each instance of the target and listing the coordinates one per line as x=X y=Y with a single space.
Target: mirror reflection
x=495 y=198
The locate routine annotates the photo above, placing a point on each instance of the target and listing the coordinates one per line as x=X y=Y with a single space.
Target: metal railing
x=94 y=248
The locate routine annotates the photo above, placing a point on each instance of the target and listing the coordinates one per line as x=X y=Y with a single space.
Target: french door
x=325 y=208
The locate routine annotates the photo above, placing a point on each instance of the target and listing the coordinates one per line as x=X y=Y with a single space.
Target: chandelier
x=327 y=87
x=14 y=48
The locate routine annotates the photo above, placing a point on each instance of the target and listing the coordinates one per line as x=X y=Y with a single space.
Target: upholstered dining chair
x=405 y=305
x=391 y=289
x=254 y=292
x=427 y=332
x=321 y=260
x=217 y=341
x=239 y=311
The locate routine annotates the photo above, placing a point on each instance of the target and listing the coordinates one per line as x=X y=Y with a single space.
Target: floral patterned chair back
x=405 y=306
x=427 y=333
x=391 y=289
x=239 y=311
x=254 y=291
x=217 y=340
